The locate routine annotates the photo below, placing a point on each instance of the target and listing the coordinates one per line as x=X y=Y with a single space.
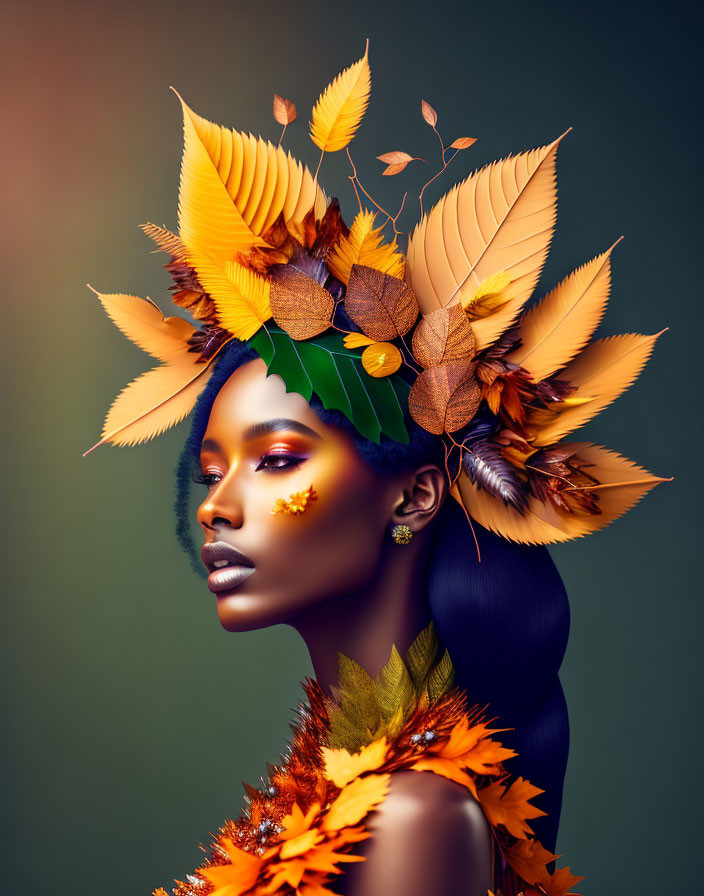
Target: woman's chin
x=239 y=612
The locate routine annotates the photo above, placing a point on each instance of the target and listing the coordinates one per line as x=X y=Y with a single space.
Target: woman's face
x=262 y=446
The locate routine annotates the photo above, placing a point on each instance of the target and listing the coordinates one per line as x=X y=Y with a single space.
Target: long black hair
x=504 y=620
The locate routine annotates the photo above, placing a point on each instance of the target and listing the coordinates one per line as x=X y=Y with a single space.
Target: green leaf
x=335 y=374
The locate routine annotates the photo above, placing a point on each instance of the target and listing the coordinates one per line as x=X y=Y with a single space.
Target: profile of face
x=261 y=446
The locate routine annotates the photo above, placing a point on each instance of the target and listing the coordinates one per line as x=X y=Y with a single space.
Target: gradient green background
x=131 y=717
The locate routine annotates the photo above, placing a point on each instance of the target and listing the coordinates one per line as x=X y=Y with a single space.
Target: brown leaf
x=395 y=169
x=463 y=142
x=429 y=114
x=284 y=110
x=383 y=306
x=444 y=398
x=443 y=335
x=330 y=229
x=393 y=158
x=299 y=305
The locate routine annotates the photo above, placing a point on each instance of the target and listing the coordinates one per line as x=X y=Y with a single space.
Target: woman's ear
x=422 y=496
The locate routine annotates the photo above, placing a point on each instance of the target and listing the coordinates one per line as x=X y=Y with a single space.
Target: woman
x=370 y=457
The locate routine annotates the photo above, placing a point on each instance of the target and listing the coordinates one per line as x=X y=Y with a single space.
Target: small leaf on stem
x=429 y=114
x=395 y=157
x=284 y=110
x=463 y=142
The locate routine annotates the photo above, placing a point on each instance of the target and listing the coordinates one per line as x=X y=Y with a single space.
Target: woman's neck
x=365 y=624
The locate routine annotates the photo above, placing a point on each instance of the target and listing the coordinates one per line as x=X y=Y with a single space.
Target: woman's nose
x=222 y=507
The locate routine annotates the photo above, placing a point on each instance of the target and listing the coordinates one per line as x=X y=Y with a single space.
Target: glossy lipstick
x=228 y=567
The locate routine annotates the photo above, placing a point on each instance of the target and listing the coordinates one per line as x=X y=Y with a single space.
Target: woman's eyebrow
x=267 y=427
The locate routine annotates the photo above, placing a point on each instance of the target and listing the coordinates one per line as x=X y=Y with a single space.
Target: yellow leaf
x=154 y=402
x=490 y=295
x=340 y=108
x=364 y=246
x=557 y=328
x=501 y=218
x=164 y=338
x=241 y=296
x=341 y=767
x=623 y=484
x=381 y=359
x=357 y=340
x=605 y=369
x=356 y=800
x=234 y=186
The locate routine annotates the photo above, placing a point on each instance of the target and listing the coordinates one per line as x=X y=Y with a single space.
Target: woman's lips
x=228 y=567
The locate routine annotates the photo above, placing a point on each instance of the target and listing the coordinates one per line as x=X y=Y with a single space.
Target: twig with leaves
x=431 y=117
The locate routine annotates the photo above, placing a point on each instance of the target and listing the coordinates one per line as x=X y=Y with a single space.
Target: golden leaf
x=355 y=801
x=444 y=398
x=443 y=335
x=383 y=306
x=420 y=656
x=510 y=806
x=622 y=484
x=605 y=369
x=164 y=338
x=299 y=304
x=154 y=402
x=491 y=295
x=501 y=218
x=284 y=110
x=441 y=678
x=381 y=359
x=364 y=246
x=357 y=340
x=394 y=689
x=341 y=767
x=340 y=108
x=396 y=168
x=428 y=113
x=234 y=186
x=557 y=328
x=240 y=295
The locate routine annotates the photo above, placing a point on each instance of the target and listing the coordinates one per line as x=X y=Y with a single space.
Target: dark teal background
x=130 y=716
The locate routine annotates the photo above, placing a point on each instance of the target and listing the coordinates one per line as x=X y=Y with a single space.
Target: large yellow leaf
x=164 y=338
x=605 y=369
x=622 y=484
x=340 y=108
x=154 y=402
x=355 y=801
x=261 y=180
x=556 y=329
x=241 y=296
x=364 y=246
x=500 y=218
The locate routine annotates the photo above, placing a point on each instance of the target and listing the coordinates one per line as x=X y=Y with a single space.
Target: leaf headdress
x=261 y=255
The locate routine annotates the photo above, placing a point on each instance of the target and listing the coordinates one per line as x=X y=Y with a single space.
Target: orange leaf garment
x=300 y=828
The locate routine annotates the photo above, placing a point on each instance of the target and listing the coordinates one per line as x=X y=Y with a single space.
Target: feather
x=605 y=369
x=621 y=485
x=340 y=108
x=165 y=240
x=154 y=402
x=164 y=338
x=241 y=296
x=364 y=246
x=556 y=329
x=234 y=186
x=486 y=467
x=501 y=218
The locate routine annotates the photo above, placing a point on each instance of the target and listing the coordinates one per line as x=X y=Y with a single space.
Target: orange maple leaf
x=510 y=806
x=528 y=859
x=355 y=801
x=235 y=878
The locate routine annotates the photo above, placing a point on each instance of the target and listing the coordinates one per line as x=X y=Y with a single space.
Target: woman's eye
x=279 y=461
x=209 y=479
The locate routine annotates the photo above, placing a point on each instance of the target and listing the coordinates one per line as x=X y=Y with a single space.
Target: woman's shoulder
x=430 y=835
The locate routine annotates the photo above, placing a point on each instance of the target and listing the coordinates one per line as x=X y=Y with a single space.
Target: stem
x=359 y=184
x=420 y=198
x=315 y=179
x=282 y=134
x=356 y=191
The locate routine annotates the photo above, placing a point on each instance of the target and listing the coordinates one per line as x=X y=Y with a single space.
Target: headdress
x=262 y=256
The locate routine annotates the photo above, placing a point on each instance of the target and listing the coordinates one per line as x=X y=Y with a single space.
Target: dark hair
x=504 y=620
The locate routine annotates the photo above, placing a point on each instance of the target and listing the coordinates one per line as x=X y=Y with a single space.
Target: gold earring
x=295 y=504
x=402 y=534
